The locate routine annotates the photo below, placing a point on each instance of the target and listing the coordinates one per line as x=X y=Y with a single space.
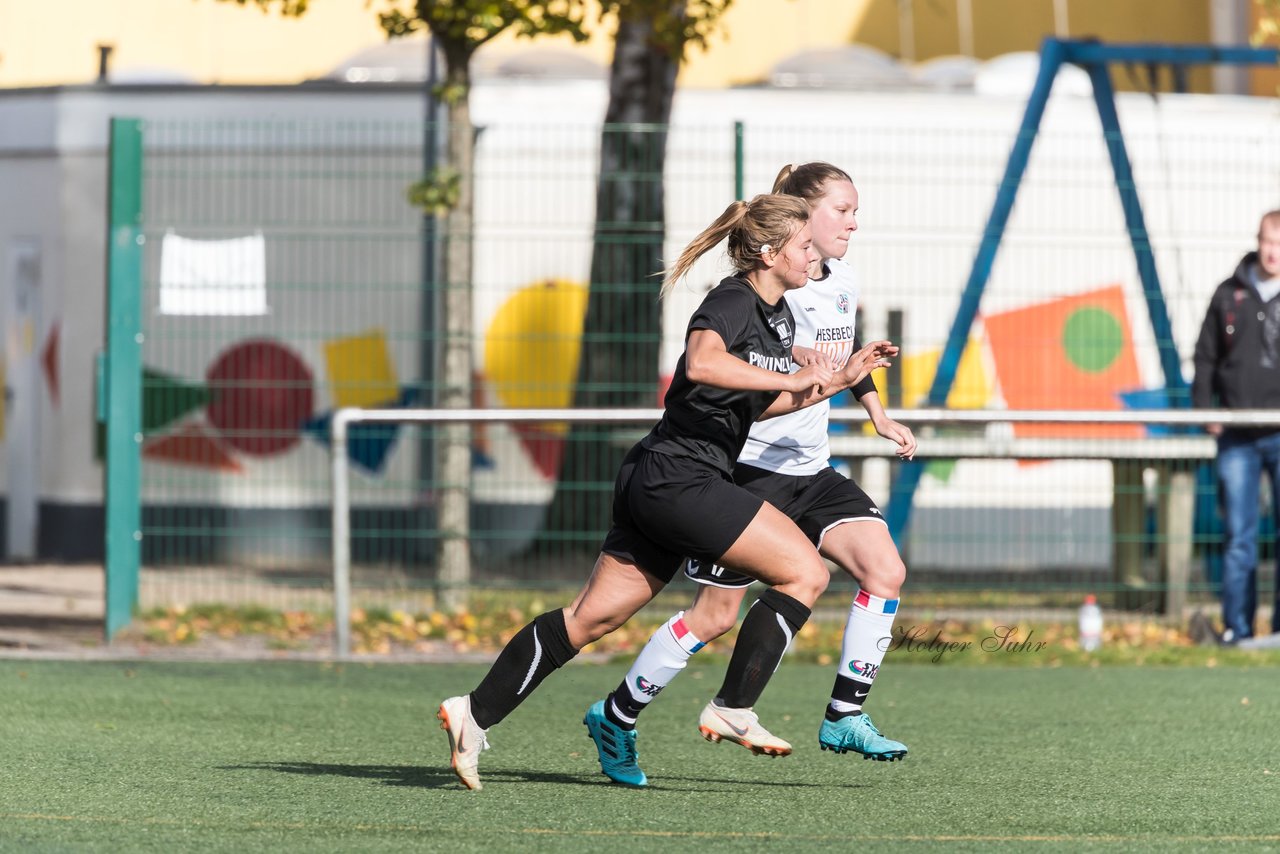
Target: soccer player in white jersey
x=786 y=460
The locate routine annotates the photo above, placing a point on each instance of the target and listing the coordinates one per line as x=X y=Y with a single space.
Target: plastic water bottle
x=1090 y=624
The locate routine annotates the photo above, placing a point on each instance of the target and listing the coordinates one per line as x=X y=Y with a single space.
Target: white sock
x=661 y=661
x=867 y=635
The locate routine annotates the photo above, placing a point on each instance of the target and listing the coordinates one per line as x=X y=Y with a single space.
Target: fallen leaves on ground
x=488 y=627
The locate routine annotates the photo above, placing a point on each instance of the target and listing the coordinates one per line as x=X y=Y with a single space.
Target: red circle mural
x=261 y=393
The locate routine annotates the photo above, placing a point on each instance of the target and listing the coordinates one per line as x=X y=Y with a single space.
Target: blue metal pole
x=1104 y=97
x=898 y=515
x=1088 y=53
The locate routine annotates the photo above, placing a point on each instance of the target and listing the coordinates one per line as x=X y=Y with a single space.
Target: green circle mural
x=1092 y=339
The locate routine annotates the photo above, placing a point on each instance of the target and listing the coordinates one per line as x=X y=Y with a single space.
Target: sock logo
x=646 y=687
x=533 y=665
x=865 y=669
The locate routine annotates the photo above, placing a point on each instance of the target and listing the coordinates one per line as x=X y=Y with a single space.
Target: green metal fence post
x=122 y=475
x=739 y=178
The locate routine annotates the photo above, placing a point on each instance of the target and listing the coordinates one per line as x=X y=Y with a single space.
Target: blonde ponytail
x=770 y=220
x=780 y=181
x=704 y=242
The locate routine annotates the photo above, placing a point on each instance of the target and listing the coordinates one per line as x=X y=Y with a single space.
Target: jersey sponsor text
x=838 y=333
x=779 y=364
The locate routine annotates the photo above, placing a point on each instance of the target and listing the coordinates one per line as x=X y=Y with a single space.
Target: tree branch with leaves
x=460 y=28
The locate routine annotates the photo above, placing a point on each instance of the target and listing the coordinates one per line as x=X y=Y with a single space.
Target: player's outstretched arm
x=708 y=362
x=896 y=432
x=860 y=364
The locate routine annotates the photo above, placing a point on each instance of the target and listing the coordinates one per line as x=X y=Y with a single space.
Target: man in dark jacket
x=1237 y=365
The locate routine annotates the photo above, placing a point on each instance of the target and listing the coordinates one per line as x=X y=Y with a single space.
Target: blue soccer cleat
x=857 y=733
x=616 y=746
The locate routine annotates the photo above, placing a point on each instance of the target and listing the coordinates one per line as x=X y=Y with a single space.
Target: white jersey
x=825 y=311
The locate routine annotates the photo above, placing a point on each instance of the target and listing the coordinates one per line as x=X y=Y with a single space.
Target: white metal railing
x=942 y=447
x=338 y=430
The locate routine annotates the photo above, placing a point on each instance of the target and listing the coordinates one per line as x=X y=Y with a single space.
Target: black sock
x=833 y=715
x=851 y=691
x=761 y=643
x=538 y=649
x=621 y=708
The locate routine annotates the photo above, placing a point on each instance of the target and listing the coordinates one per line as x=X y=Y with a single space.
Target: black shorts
x=815 y=502
x=666 y=508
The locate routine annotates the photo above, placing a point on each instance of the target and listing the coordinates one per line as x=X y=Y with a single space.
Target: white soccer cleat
x=741 y=726
x=466 y=739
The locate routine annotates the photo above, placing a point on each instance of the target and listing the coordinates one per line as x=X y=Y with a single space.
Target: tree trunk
x=454 y=447
x=621 y=336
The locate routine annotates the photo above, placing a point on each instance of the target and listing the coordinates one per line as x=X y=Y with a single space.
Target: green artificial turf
x=287 y=756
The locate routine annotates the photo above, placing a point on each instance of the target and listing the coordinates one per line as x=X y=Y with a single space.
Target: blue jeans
x=1241 y=460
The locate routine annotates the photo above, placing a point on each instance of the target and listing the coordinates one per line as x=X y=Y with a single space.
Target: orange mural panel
x=1075 y=352
x=191 y=445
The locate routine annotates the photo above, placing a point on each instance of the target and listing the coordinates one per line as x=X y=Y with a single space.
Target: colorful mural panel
x=1074 y=352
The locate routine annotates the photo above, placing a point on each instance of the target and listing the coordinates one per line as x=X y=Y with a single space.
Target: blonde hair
x=808 y=180
x=767 y=220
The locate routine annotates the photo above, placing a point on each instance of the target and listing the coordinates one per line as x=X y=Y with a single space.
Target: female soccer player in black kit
x=674 y=495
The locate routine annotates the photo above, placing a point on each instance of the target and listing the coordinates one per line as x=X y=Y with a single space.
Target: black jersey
x=711 y=424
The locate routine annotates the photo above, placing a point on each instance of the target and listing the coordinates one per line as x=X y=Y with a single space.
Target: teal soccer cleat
x=616 y=746
x=856 y=732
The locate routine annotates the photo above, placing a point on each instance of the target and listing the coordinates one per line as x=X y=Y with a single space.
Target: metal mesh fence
x=285 y=276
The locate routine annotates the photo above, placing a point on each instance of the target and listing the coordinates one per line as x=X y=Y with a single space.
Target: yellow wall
x=218 y=42
x=51 y=43
x=1264 y=81
x=756 y=34
x=1003 y=26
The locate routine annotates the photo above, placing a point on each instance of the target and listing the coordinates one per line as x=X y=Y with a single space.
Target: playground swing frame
x=1095 y=58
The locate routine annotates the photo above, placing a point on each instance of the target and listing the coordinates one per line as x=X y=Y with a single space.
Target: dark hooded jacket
x=1237 y=358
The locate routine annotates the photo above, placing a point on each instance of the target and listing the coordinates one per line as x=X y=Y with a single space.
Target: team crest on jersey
x=782 y=328
x=842 y=303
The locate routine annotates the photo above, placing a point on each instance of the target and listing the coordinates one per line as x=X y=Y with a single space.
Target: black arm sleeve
x=864 y=387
